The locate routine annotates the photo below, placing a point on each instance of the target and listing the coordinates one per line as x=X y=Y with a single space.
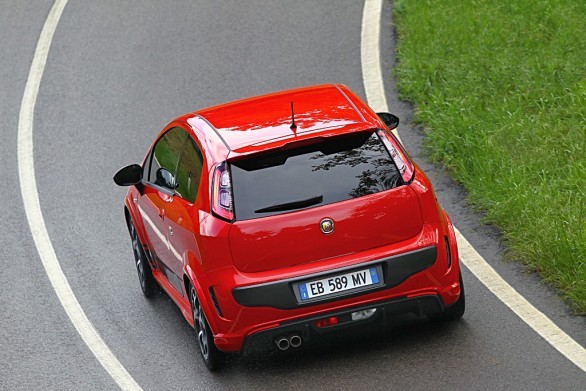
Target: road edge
x=36 y=222
x=376 y=96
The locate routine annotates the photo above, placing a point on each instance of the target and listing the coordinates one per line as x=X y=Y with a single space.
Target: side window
x=166 y=153
x=147 y=166
x=189 y=171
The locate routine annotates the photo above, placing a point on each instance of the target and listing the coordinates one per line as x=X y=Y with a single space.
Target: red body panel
x=360 y=224
x=188 y=244
x=258 y=120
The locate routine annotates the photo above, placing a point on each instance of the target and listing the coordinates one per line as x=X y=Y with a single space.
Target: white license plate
x=339 y=283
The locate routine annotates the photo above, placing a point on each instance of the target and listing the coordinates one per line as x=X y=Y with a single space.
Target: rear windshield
x=334 y=170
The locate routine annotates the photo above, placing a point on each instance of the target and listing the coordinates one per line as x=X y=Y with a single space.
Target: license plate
x=339 y=283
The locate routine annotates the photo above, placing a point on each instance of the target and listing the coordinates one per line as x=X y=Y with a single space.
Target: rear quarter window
x=329 y=171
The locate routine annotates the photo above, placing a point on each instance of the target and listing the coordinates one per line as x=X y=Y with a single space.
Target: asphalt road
x=116 y=74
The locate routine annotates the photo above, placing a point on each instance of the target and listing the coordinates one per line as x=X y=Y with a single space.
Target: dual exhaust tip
x=284 y=343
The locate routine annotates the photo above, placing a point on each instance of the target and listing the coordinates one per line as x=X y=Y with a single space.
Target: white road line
x=372 y=75
x=519 y=305
x=375 y=94
x=30 y=196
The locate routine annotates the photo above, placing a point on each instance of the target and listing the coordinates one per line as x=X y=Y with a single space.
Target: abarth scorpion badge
x=327 y=226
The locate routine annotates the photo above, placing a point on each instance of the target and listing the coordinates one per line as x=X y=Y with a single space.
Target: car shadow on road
x=350 y=353
x=358 y=344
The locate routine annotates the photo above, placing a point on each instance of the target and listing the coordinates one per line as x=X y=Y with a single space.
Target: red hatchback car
x=274 y=219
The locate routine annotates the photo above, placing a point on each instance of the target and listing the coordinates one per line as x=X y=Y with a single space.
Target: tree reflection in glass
x=379 y=173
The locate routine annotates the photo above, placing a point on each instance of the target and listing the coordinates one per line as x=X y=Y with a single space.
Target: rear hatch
x=281 y=199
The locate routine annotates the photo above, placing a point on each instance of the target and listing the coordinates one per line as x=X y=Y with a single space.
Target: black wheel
x=456 y=310
x=212 y=357
x=145 y=274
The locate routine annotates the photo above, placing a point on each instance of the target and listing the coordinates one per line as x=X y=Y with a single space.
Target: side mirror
x=165 y=179
x=391 y=120
x=129 y=175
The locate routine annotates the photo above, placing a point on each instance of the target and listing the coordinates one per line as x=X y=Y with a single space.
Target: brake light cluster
x=222 y=192
x=404 y=165
x=327 y=322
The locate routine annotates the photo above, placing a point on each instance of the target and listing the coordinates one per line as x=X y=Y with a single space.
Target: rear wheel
x=145 y=274
x=212 y=357
x=456 y=310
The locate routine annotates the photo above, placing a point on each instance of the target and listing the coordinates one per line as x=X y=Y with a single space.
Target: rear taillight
x=222 y=192
x=398 y=155
x=327 y=322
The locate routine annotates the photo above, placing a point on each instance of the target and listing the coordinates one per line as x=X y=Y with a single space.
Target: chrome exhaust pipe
x=295 y=341
x=282 y=343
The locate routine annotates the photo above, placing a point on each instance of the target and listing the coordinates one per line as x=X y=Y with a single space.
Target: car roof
x=258 y=120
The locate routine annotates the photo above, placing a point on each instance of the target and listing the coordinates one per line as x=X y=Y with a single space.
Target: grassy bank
x=500 y=87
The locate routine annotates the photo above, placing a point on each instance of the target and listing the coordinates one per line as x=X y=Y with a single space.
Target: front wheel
x=212 y=357
x=145 y=274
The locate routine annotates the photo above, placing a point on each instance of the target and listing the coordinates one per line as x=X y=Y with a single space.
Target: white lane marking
x=372 y=75
x=375 y=94
x=519 y=305
x=30 y=197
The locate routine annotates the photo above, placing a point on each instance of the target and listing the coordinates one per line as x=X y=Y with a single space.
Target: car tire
x=456 y=310
x=212 y=357
x=145 y=274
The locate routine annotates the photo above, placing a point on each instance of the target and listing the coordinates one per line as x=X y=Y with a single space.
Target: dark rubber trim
x=427 y=305
x=280 y=294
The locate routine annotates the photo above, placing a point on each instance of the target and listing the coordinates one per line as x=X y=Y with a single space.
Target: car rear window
x=335 y=169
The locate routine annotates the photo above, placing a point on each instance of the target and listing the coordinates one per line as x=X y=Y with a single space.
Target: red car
x=274 y=219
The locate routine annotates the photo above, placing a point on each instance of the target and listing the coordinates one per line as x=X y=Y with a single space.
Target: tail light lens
x=331 y=321
x=398 y=155
x=222 y=192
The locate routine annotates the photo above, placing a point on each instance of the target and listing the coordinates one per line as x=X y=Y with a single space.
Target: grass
x=500 y=88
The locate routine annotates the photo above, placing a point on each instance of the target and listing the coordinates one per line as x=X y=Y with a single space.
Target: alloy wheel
x=201 y=330
x=137 y=255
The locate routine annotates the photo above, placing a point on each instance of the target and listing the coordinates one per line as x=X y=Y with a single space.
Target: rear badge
x=327 y=226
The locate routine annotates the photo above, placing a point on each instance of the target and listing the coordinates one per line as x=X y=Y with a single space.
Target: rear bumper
x=279 y=294
x=306 y=328
x=260 y=303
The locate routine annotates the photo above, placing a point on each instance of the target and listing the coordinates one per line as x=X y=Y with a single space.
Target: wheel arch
x=189 y=279
x=131 y=212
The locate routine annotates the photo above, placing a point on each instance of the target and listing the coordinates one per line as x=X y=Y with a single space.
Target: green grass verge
x=500 y=87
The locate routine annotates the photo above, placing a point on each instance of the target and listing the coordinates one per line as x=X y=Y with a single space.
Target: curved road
x=117 y=72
